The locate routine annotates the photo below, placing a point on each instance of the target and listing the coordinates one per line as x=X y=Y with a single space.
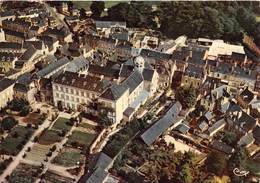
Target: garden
x=50 y=177
x=49 y=137
x=25 y=173
x=34 y=118
x=81 y=139
x=69 y=157
x=62 y=125
x=15 y=140
x=38 y=152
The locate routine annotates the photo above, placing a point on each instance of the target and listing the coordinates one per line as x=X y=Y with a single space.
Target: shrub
x=8 y=123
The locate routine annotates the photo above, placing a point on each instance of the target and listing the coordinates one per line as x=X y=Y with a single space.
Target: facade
x=6 y=91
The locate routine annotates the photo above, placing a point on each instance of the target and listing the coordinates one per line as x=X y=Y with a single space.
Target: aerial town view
x=129 y=91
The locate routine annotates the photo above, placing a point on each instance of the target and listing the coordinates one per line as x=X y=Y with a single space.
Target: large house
x=6 y=91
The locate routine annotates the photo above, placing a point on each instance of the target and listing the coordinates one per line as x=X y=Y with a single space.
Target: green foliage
x=25 y=110
x=238 y=159
x=17 y=104
x=118 y=141
x=8 y=123
x=186 y=95
x=97 y=7
x=216 y=163
x=230 y=138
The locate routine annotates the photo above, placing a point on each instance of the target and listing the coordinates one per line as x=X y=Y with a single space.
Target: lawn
x=69 y=157
x=50 y=177
x=61 y=124
x=24 y=173
x=49 y=137
x=82 y=139
x=14 y=142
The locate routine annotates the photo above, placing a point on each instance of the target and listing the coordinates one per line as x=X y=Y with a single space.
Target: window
x=82 y=101
x=67 y=97
x=67 y=90
x=77 y=92
x=72 y=98
x=56 y=87
x=77 y=99
x=71 y=91
x=61 y=88
x=62 y=96
x=82 y=93
x=57 y=95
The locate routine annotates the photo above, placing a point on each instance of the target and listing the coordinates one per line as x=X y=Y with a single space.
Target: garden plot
x=49 y=137
x=15 y=141
x=25 y=173
x=62 y=125
x=69 y=157
x=81 y=139
x=34 y=118
x=50 y=177
x=38 y=153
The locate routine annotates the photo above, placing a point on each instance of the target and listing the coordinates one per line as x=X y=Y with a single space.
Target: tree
x=8 y=123
x=25 y=110
x=82 y=14
x=230 y=138
x=97 y=7
x=216 y=163
x=238 y=159
x=186 y=95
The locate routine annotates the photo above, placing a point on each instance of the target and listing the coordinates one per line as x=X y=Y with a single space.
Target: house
x=240 y=120
x=256 y=134
x=170 y=119
x=246 y=140
x=73 y=90
x=219 y=125
x=53 y=69
x=245 y=98
x=222 y=147
x=78 y=65
x=193 y=76
x=6 y=91
x=7 y=61
x=11 y=47
x=25 y=87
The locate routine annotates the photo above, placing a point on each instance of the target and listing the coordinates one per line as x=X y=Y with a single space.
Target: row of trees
x=225 y=20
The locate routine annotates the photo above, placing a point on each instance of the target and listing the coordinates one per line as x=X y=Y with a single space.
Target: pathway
x=18 y=158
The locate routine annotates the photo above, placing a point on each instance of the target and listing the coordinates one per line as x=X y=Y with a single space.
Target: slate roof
x=194 y=71
x=126 y=70
x=28 y=53
x=256 y=134
x=246 y=139
x=108 y=24
x=10 y=45
x=155 y=54
x=183 y=128
x=114 y=92
x=133 y=81
x=170 y=118
x=247 y=95
x=148 y=74
x=98 y=176
x=14 y=33
x=103 y=161
x=51 y=67
x=217 y=126
x=241 y=118
x=77 y=64
x=21 y=87
x=36 y=44
x=5 y=83
x=81 y=81
x=103 y=70
x=221 y=146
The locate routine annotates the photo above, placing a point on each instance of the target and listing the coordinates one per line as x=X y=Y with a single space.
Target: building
x=7 y=61
x=6 y=91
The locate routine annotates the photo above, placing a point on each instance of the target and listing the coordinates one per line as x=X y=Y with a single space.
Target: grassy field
x=84 y=140
x=14 y=142
x=87 y=126
x=49 y=137
x=61 y=125
x=38 y=153
x=69 y=157
x=24 y=173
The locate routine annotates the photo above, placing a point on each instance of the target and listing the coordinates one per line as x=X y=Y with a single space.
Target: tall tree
x=216 y=163
x=97 y=7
